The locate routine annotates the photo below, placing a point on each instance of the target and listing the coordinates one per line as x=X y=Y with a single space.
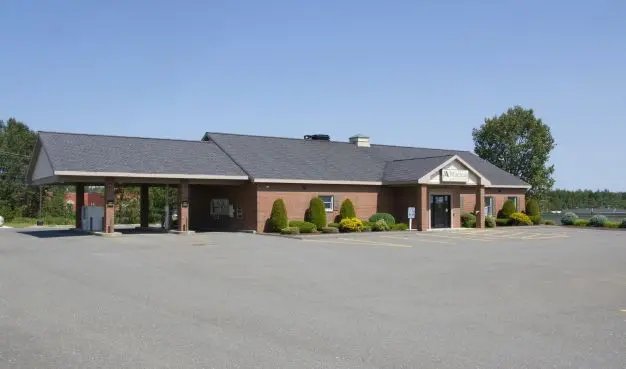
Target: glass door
x=440 y=211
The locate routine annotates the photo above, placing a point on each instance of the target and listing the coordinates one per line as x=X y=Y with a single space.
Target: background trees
x=519 y=143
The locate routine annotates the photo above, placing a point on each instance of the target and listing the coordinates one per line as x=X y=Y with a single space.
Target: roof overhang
x=483 y=180
x=312 y=181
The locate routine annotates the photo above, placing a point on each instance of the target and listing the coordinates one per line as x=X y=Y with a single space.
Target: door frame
x=430 y=217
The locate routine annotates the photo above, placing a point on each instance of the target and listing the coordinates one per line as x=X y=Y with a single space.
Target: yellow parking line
x=424 y=240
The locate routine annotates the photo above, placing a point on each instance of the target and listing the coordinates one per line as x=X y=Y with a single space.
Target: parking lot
x=532 y=297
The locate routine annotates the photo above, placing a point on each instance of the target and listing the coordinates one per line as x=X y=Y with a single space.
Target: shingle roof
x=410 y=170
x=97 y=153
x=298 y=159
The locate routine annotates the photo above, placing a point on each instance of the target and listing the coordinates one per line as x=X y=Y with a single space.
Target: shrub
x=330 y=230
x=611 y=224
x=400 y=227
x=366 y=228
x=388 y=218
x=347 y=210
x=581 y=223
x=490 y=222
x=520 y=219
x=316 y=213
x=623 y=225
x=334 y=225
x=468 y=220
x=296 y=223
x=350 y=225
x=549 y=222
x=508 y=209
x=290 y=230
x=366 y=223
x=503 y=222
x=533 y=211
x=380 y=226
x=307 y=227
x=597 y=220
x=569 y=218
x=278 y=218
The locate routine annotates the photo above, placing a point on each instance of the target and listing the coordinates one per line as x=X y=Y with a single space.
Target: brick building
x=229 y=181
x=89 y=199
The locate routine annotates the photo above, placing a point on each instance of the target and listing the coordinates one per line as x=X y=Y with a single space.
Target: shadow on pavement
x=52 y=233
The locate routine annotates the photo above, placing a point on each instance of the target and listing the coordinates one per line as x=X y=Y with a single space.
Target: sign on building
x=454 y=175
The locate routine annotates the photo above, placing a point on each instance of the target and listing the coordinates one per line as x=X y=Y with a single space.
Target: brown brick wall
x=500 y=195
x=243 y=196
x=367 y=200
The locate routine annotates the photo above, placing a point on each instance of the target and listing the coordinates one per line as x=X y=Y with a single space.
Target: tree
x=347 y=210
x=278 y=218
x=533 y=211
x=316 y=213
x=508 y=208
x=520 y=144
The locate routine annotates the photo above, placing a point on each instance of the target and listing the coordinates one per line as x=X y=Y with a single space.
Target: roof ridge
x=424 y=157
x=119 y=136
x=420 y=147
x=278 y=137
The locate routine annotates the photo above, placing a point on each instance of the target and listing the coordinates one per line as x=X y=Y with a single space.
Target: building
x=229 y=181
x=89 y=199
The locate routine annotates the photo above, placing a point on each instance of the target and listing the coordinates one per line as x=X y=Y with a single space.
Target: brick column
x=144 y=205
x=421 y=211
x=109 y=207
x=80 y=202
x=480 y=206
x=183 y=207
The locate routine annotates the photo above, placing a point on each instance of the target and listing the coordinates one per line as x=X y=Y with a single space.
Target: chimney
x=360 y=140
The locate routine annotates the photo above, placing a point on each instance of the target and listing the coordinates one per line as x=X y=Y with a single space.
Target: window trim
x=332 y=202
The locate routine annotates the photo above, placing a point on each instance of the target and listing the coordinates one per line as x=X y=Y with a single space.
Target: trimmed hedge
x=468 y=220
x=597 y=220
x=278 y=218
x=304 y=227
x=296 y=223
x=508 y=209
x=380 y=226
x=610 y=224
x=490 y=221
x=549 y=222
x=388 y=218
x=350 y=225
x=569 y=218
x=400 y=227
x=316 y=213
x=290 y=230
x=533 y=211
x=520 y=219
x=335 y=225
x=503 y=222
x=330 y=230
x=347 y=210
x=581 y=223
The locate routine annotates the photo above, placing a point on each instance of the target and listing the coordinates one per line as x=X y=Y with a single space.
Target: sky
x=416 y=73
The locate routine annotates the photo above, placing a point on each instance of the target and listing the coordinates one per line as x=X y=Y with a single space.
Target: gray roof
x=96 y=153
x=411 y=170
x=298 y=159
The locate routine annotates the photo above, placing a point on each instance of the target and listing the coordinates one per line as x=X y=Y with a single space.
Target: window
x=514 y=199
x=489 y=206
x=328 y=202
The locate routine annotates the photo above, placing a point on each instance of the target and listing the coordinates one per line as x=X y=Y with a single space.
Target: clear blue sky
x=420 y=73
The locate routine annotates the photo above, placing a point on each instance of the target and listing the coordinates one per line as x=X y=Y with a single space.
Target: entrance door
x=440 y=211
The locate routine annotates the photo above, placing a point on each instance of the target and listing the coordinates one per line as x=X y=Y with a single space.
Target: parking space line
x=424 y=240
x=357 y=242
x=455 y=238
x=375 y=243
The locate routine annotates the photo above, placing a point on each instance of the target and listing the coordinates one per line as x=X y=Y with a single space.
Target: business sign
x=411 y=213
x=454 y=175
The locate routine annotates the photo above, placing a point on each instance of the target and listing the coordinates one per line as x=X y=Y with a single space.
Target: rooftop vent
x=360 y=140
x=317 y=137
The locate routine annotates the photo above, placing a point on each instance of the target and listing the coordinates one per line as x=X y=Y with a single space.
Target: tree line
x=565 y=199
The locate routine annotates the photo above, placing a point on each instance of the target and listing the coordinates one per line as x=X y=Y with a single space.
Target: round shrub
x=503 y=222
x=597 y=220
x=335 y=225
x=330 y=230
x=347 y=209
x=278 y=217
x=290 y=230
x=468 y=220
x=316 y=213
x=569 y=218
x=623 y=225
x=508 y=209
x=400 y=227
x=296 y=223
x=350 y=225
x=520 y=219
x=388 y=218
x=549 y=222
x=380 y=226
x=533 y=211
x=307 y=227
x=488 y=220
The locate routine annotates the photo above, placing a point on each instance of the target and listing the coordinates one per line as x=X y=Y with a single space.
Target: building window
x=514 y=199
x=328 y=202
x=489 y=206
